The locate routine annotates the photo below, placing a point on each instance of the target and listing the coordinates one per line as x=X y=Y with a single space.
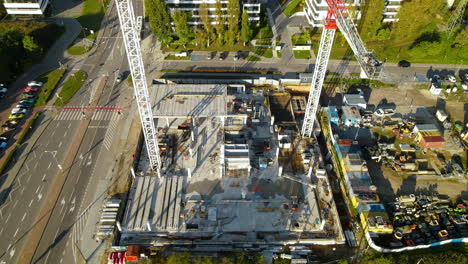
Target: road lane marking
x=69 y=125
x=64 y=135
x=12 y=252
x=24 y=216
x=48 y=167
x=38 y=187
x=43 y=177
x=16 y=232
x=30 y=202
x=14 y=206
x=60 y=144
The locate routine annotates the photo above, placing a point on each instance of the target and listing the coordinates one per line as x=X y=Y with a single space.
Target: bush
x=50 y=80
x=91 y=17
x=70 y=87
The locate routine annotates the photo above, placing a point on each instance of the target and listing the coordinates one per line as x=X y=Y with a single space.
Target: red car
x=31 y=89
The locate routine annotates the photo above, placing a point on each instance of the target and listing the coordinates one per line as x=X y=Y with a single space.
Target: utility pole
x=456 y=16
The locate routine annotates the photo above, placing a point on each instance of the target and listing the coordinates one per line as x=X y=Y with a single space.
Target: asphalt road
x=42 y=164
x=59 y=241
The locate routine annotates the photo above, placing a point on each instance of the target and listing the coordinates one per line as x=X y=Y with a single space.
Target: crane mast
x=131 y=38
x=370 y=66
x=456 y=16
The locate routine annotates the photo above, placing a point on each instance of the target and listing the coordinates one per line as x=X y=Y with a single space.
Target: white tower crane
x=131 y=38
x=456 y=16
x=370 y=66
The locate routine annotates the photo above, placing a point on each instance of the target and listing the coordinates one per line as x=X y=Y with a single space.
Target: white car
x=18 y=110
x=3 y=90
x=464 y=86
x=451 y=78
x=35 y=83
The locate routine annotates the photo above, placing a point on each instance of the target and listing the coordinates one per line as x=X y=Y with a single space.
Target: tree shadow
x=428 y=36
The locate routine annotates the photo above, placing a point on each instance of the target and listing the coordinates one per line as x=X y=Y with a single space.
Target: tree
x=233 y=12
x=183 y=29
x=206 y=22
x=371 y=21
x=31 y=47
x=246 y=31
x=179 y=258
x=201 y=37
x=462 y=37
x=160 y=20
x=220 y=20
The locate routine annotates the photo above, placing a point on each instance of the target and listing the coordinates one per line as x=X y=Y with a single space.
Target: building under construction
x=235 y=173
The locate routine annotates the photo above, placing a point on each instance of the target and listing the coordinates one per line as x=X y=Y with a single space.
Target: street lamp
x=53 y=153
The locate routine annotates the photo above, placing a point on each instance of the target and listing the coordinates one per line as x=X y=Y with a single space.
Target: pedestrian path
x=98 y=114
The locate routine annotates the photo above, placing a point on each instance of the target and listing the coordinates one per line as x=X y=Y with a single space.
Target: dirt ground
x=407 y=95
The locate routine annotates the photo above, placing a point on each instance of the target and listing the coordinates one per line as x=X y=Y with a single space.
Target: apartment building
x=193 y=7
x=25 y=7
x=316 y=10
x=391 y=10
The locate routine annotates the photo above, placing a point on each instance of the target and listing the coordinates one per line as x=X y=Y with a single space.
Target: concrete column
x=148 y=226
x=245 y=120
x=192 y=135
x=272 y=120
x=159 y=173
x=191 y=152
x=221 y=171
x=277 y=153
x=310 y=172
x=189 y=173
x=248 y=169
x=222 y=120
x=280 y=171
x=133 y=172
x=167 y=121
x=119 y=227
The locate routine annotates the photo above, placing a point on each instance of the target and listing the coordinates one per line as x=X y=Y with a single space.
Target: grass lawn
x=253 y=58
x=302 y=54
x=50 y=80
x=91 y=18
x=279 y=54
x=174 y=57
x=299 y=39
x=263 y=42
x=264 y=52
x=70 y=87
x=292 y=7
x=78 y=50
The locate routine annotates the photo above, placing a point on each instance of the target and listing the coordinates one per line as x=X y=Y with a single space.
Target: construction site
x=235 y=173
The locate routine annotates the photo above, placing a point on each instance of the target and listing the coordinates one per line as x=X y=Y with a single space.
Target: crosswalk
x=105 y=114
x=110 y=134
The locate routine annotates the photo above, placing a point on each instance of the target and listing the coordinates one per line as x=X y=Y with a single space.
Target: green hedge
x=70 y=87
x=253 y=58
x=25 y=132
x=7 y=160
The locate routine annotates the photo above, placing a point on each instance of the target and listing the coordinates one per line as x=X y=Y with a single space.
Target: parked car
x=209 y=57
x=24 y=105
x=464 y=85
x=404 y=64
x=30 y=95
x=8 y=127
x=221 y=57
x=31 y=89
x=28 y=100
x=236 y=57
x=3 y=89
x=18 y=110
x=12 y=121
x=119 y=77
x=3 y=144
x=451 y=78
x=5 y=136
x=35 y=83
x=15 y=116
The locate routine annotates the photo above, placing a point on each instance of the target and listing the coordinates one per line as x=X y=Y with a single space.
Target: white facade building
x=193 y=7
x=25 y=7
x=316 y=10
